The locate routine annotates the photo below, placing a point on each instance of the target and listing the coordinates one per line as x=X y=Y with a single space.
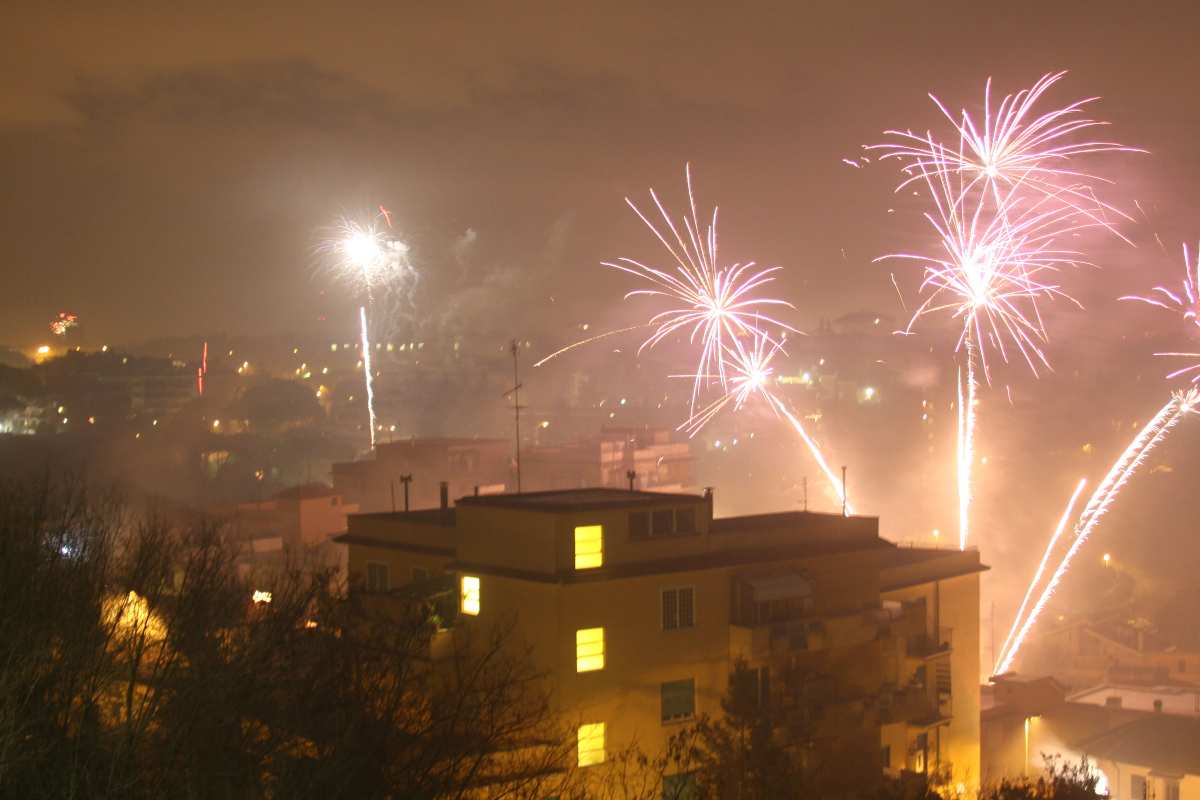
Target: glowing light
x=469 y=595
x=589 y=546
x=589 y=649
x=590 y=744
x=1107 y=559
x=869 y=393
x=43 y=350
x=261 y=597
x=216 y=424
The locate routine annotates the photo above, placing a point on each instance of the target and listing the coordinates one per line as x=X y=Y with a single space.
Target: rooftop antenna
x=515 y=391
x=406 y=480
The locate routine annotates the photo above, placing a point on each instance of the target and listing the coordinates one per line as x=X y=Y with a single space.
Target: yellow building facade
x=639 y=605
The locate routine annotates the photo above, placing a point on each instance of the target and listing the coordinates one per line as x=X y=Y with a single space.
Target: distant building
x=1144 y=742
x=1086 y=652
x=638 y=605
x=488 y=465
x=374 y=484
x=291 y=522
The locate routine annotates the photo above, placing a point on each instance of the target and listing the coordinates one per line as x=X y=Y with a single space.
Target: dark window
x=663 y=522
x=885 y=756
x=678 y=608
x=377 y=577
x=1137 y=787
x=679 y=787
x=685 y=520
x=919 y=676
x=639 y=524
x=678 y=700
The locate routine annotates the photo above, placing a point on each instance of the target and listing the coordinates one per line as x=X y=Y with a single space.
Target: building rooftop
x=442 y=517
x=577 y=499
x=1167 y=744
x=307 y=491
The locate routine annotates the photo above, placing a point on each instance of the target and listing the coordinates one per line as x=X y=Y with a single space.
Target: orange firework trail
x=589 y=340
x=1180 y=404
x=1041 y=569
x=1185 y=303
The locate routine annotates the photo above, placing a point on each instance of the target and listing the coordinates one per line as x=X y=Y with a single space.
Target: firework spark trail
x=369 y=378
x=751 y=372
x=1013 y=145
x=367 y=258
x=966 y=446
x=1134 y=455
x=589 y=340
x=713 y=305
x=1185 y=302
x=815 y=451
x=1041 y=569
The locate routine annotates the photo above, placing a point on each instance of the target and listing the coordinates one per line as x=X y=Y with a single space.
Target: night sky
x=167 y=169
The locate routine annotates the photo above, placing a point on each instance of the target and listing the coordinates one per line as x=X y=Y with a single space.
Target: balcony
x=758 y=642
x=923 y=647
x=912 y=705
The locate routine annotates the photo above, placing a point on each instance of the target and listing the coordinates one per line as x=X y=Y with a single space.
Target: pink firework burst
x=712 y=304
x=995 y=263
x=1013 y=144
x=1184 y=301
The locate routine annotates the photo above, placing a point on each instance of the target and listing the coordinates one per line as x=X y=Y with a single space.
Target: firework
x=712 y=304
x=1180 y=405
x=1186 y=302
x=66 y=320
x=750 y=374
x=1013 y=145
x=1041 y=569
x=370 y=260
x=995 y=263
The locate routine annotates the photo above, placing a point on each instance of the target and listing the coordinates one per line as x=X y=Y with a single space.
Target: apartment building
x=639 y=606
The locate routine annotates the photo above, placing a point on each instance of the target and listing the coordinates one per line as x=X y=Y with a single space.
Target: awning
x=780 y=587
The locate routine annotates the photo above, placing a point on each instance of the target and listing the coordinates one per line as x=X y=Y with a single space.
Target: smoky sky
x=167 y=168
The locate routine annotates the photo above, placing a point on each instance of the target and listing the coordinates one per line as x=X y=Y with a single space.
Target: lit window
x=469 y=602
x=589 y=649
x=591 y=744
x=589 y=546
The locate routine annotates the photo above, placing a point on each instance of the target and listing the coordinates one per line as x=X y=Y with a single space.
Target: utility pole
x=515 y=391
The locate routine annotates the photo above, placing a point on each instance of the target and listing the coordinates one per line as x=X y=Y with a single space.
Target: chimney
x=444 y=491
